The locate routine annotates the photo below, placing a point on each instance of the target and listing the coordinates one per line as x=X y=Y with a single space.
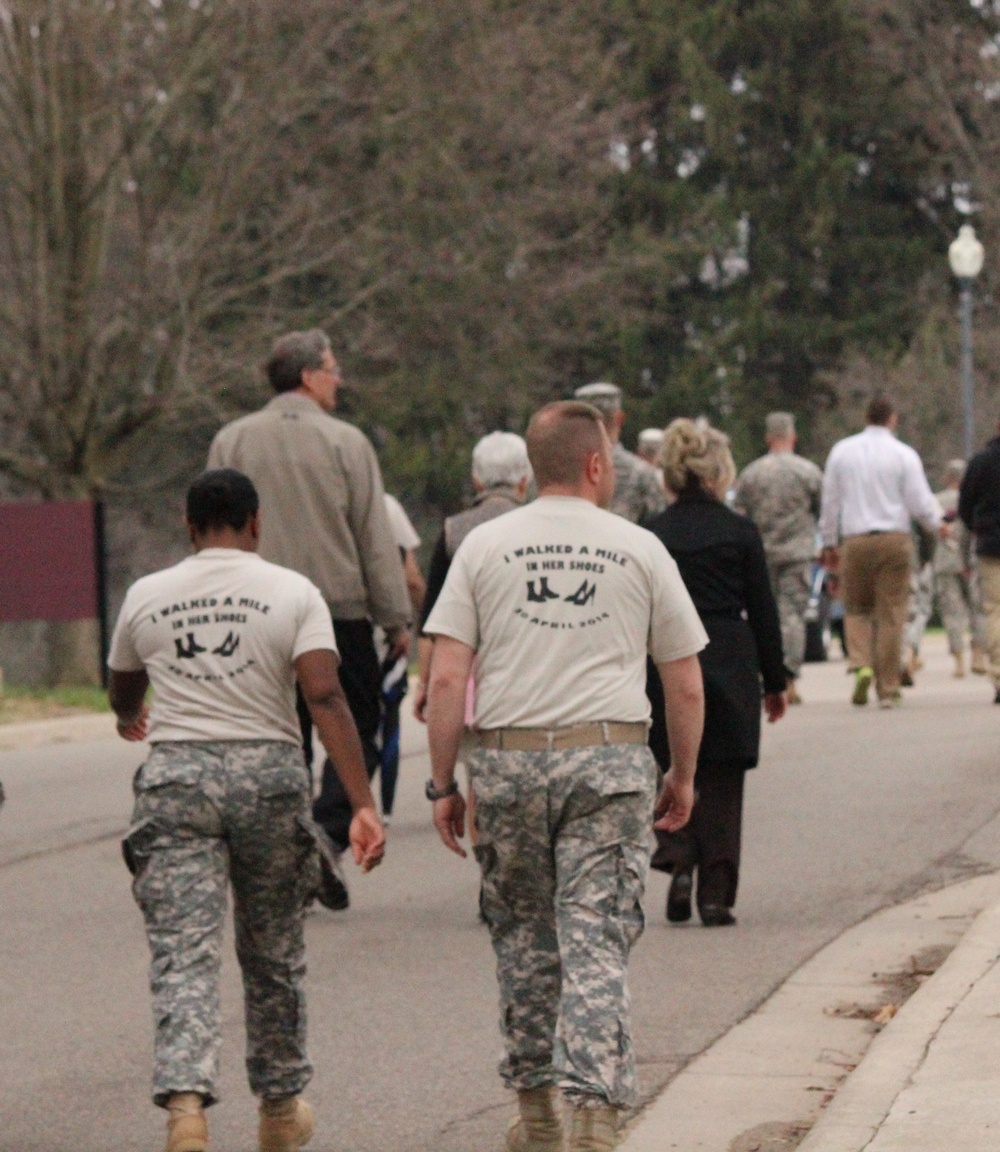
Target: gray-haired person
x=781 y=493
x=638 y=485
x=222 y=801
x=501 y=474
x=319 y=481
x=648 y=446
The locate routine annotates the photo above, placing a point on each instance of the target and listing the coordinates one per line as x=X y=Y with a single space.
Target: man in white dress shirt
x=873 y=488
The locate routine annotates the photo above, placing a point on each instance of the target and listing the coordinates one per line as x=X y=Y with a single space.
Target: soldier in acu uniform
x=638 y=486
x=781 y=493
x=559 y=603
x=224 y=798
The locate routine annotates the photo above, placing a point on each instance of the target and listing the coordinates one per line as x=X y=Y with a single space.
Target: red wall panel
x=48 y=561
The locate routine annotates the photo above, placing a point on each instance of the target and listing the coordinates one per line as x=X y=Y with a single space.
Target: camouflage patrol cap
x=649 y=438
x=779 y=424
x=606 y=398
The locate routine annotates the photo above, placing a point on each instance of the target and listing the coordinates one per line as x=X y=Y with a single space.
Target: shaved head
x=561 y=439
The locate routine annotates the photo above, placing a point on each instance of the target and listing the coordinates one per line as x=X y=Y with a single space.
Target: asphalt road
x=850 y=811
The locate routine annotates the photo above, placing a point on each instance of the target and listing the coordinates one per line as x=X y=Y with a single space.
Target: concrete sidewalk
x=931 y=1080
x=833 y=1063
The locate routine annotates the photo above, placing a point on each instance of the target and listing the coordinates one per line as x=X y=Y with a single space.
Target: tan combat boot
x=592 y=1130
x=978 y=661
x=187 y=1129
x=538 y=1128
x=286 y=1124
x=959 y=672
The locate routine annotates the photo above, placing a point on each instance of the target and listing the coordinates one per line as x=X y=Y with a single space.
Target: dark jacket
x=979 y=499
x=721 y=559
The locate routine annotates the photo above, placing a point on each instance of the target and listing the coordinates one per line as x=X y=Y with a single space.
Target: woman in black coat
x=721 y=558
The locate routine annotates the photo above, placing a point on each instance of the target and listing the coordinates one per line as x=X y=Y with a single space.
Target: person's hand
x=775 y=705
x=399 y=643
x=449 y=820
x=674 y=804
x=420 y=703
x=134 y=730
x=830 y=558
x=367 y=837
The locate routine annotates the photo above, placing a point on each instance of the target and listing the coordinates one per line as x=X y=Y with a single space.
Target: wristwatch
x=432 y=792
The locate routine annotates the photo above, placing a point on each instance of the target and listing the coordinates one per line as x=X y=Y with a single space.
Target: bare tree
x=160 y=194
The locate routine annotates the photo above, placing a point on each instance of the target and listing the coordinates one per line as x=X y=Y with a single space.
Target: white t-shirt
x=217 y=635
x=562 y=600
x=403 y=531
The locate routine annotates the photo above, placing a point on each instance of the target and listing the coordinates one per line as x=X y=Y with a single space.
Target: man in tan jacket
x=323 y=514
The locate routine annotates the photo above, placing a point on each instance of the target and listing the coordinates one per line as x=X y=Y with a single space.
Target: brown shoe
x=538 y=1128
x=592 y=1129
x=285 y=1125
x=187 y=1133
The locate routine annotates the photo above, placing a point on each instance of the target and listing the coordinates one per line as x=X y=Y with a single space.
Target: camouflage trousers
x=791 y=584
x=919 y=607
x=960 y=610
x=564 y=845
x=207 y=814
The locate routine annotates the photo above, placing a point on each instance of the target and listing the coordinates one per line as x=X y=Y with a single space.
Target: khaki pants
x=875 y=573
x=989 y=590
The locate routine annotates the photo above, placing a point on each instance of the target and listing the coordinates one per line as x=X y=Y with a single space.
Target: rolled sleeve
x=829 y=516
x=917 y=493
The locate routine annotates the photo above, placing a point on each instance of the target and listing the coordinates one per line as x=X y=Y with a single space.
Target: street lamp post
x=965 y=255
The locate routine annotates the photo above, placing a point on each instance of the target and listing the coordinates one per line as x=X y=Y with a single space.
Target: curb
x=64 y=730
x=804 y=1069
x=859 y=1109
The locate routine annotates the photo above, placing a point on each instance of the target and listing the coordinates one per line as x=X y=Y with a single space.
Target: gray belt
x=552 y=739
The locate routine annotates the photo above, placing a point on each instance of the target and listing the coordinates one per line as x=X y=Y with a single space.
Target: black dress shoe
x=716 y=915
x=679 y=898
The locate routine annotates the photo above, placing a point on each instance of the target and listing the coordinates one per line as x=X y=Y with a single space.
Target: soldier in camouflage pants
x=564 y=851
x=792 y=584
x=780 y=492
x=206 y=813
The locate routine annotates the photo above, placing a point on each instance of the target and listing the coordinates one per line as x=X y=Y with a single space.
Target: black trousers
x=710 y=841
x=361 y=681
